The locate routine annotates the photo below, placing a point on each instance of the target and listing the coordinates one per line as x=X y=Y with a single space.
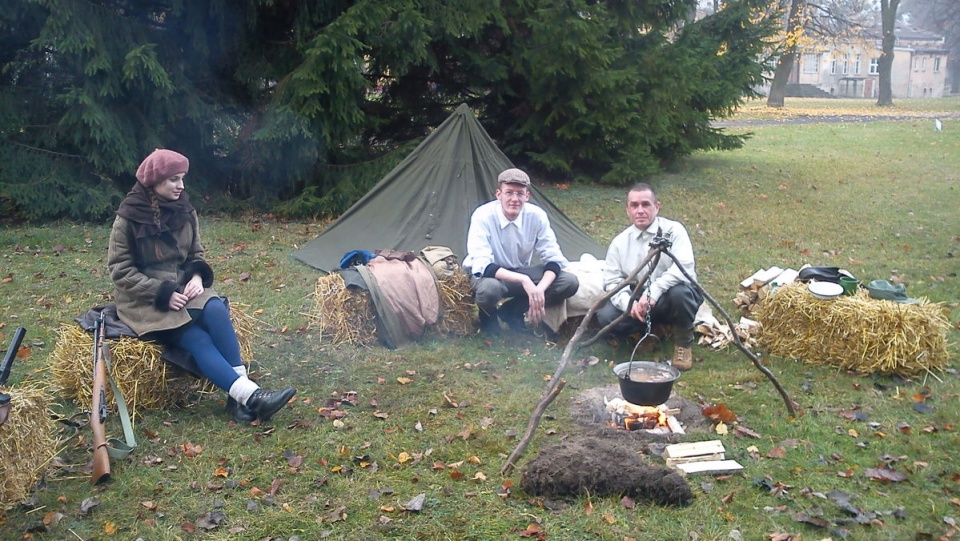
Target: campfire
x=651 y=419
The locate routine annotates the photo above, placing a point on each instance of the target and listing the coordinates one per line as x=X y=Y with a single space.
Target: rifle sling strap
x=119 y=449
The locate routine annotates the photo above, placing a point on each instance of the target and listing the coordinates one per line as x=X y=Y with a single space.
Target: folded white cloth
x=589 y=271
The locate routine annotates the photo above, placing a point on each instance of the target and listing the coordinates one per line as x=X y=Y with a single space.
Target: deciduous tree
x=809 y=22
x=888 y=16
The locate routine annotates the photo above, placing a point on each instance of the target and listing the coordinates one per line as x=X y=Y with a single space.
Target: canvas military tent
x=428 y=198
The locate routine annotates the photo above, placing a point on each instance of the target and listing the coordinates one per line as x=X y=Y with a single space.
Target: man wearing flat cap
x=503 y=237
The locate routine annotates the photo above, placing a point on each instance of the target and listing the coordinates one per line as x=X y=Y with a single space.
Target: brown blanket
x=406 y=297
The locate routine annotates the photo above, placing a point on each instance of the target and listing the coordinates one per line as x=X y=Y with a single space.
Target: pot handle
x=642 y=338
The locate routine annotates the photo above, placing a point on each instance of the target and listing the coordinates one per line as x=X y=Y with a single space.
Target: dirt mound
x=601 y=467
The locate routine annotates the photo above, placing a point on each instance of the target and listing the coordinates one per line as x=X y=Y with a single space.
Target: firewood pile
x=719 y=335
x=756 y=288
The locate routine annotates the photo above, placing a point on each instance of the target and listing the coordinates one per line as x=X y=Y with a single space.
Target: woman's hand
x=194 y=287
x=178 y=301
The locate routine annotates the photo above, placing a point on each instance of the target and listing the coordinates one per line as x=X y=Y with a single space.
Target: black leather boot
x=512 y=312
x=241 y=414
x=489 y=324
x=265 y=403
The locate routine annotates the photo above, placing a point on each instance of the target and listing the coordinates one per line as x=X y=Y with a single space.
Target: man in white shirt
x=669 y=298
x=503 y=237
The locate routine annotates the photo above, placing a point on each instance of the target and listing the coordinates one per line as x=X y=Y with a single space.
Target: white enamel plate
x=825 y=290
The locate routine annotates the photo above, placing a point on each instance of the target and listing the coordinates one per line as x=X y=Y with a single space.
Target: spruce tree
x=272 y=100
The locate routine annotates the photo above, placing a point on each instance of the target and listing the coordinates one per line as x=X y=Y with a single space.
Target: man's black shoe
x=511 y=313
x=489 y=325
x=265 y=403
x=242 y=415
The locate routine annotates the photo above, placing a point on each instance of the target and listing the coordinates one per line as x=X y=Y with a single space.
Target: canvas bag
x=441 y=259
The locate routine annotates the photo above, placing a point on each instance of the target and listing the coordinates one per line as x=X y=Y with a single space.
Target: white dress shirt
x=493 y=239
x=631 y=246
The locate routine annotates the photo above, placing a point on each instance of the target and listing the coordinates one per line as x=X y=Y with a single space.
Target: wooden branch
x=531 y=427
x=556 y=383
x=791 y=405
x=652 y=255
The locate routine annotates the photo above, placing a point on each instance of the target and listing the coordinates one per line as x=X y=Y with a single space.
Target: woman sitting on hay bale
x=163 y=284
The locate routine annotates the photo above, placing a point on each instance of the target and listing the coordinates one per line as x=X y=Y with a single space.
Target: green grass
x=877 y=198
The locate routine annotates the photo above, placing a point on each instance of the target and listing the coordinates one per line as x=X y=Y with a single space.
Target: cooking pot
x=646 y=383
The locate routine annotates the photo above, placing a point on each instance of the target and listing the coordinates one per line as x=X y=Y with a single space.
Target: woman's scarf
x=141 y=204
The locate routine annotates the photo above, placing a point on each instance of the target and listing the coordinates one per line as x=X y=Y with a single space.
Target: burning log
x=654 y=419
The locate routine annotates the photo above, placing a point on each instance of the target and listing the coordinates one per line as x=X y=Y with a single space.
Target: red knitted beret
x=161 y=164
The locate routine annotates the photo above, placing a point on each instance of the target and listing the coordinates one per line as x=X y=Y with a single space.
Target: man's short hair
x=644 y=187
x=513 y=176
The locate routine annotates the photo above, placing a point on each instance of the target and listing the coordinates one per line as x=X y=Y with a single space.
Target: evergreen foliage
x=272 y=100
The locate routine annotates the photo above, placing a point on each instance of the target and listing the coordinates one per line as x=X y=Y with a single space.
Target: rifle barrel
x=98 y=417
x=11 y=354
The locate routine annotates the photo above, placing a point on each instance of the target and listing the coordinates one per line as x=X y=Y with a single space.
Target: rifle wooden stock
x=11 y=354
x=98 y=412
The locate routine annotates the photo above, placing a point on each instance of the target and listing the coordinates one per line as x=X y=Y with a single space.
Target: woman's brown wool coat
x=147 y=271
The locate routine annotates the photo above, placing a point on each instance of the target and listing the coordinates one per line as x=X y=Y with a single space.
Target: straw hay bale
x=854 y=332
x=144 y=378
x=348 y=317
x=459 y=311
x=343 y=315
x=26 y=443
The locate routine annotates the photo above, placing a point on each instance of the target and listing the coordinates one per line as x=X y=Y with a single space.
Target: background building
x=851 y=69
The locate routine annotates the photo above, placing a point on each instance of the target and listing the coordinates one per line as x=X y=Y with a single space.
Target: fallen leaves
x=885 y=475
x=722 y=415
x=87 y=504
x=533 y=531
x=745 y=432
x=415 y=504
x=466 y=433
x=777 y=452
x=190 y=450
x=51 y=519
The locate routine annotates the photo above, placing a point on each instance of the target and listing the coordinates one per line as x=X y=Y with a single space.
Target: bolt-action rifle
x=98 y=415
x=11 y=354
x=5 y=371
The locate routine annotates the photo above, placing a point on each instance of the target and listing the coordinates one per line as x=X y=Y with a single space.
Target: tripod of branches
x=659 y=246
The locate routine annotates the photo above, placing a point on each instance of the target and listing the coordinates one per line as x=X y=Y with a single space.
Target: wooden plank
x=709 y=466
x=675 y=425
x=671 y=462
x=679 y=450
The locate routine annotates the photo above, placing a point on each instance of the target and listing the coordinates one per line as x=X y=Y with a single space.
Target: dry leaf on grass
x=416 y=503
x=885 y=474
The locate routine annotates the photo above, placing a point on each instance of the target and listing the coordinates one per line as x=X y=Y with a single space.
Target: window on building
x=936 y=64
x=846 y=65
x=874 y=66
x=856 y=65
x=811 y=63
x=923 y=63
